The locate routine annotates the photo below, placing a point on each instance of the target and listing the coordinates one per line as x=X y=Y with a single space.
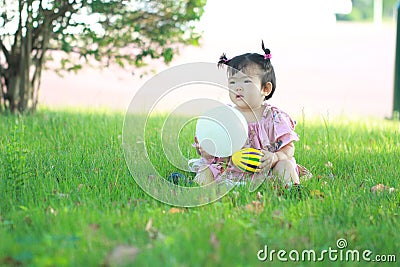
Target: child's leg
x=204 y=177
x=286 y=169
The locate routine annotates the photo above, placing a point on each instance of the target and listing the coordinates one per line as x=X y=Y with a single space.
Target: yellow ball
x=247 y=159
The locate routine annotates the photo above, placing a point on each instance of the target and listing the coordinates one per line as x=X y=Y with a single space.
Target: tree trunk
x=13 y=93
x=20 y=90
x=20 y=82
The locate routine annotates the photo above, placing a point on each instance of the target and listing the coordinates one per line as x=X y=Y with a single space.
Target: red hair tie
x=267 y=56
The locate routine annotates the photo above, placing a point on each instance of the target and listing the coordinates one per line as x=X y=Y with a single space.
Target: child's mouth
x=239 y=96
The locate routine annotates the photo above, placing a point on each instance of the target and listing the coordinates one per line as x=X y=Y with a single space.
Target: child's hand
x=201 y=151
x=268 y=160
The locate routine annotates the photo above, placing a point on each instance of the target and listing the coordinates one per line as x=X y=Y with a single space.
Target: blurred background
x=330 y=56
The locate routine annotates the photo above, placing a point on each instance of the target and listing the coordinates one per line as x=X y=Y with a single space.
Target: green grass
x=68 y=198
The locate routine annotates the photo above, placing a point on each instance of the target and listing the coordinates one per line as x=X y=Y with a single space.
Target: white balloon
x=222 y=131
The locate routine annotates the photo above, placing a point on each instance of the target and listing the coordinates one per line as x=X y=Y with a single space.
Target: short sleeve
x=283 y=129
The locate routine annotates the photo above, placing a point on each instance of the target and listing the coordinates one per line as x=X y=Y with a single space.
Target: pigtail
x=267 y=52
x=267 y=55
x=223 y=60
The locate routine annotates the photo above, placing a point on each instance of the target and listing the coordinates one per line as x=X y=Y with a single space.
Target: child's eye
x=247 y=81
x=231 y=82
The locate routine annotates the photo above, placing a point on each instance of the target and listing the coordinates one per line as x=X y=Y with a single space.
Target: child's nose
x=239 y=88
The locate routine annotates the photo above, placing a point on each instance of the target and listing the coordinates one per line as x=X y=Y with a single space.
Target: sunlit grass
x=68 y=199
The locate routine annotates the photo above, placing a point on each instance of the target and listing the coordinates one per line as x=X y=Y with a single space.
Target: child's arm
x=270 y=159
x=286 y=152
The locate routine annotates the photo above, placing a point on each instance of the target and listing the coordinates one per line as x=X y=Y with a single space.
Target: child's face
x=245 y=88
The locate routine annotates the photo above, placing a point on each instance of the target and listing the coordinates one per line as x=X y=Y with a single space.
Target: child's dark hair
x=240 y=63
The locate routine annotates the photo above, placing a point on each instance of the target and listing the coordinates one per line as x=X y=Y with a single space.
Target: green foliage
x=123 y=32
x=77 y=202
x=363 y=10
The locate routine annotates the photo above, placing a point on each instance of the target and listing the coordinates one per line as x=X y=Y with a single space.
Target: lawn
x=68 y=199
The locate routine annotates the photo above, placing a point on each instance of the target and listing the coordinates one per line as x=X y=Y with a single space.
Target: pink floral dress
x=273 y=131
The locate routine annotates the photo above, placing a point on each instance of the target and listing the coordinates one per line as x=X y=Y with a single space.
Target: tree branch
x=4 y=50
x=61 y=13
x=18 y=33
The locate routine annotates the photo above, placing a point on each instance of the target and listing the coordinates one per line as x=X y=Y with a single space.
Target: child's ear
x=267 y=89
